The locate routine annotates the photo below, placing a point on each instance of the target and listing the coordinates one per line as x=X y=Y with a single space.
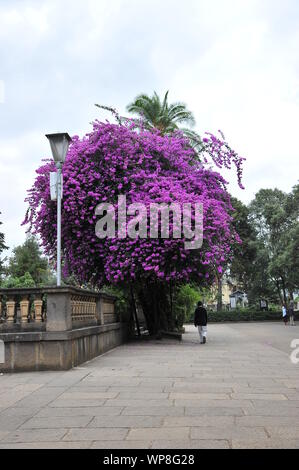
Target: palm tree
x=163 y=116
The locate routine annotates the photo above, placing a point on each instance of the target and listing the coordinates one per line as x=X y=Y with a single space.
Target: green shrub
x=185 y=300
x=179 y=317
x=242 y=316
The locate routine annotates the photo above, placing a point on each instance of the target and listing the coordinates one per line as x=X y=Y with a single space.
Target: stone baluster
x=24 y=307
x=10 y=310
x=38 y=309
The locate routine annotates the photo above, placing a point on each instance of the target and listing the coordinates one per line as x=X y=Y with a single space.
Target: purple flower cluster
x=149 y=168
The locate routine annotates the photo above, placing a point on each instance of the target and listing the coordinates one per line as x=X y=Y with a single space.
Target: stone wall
x=61 y=350
x=74 y=326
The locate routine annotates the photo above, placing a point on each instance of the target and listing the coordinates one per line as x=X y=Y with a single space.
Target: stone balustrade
x=22 y=307
x=56 y=328
x=54 y=309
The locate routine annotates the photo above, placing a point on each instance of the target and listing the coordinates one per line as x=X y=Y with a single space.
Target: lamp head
x=59 y=145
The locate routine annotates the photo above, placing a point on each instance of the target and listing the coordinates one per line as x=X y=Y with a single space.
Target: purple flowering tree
x=148 y=168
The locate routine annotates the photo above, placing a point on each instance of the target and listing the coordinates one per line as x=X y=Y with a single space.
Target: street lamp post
x=59 y=145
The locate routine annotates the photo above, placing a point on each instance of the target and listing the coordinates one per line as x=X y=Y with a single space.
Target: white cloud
x=28 y=23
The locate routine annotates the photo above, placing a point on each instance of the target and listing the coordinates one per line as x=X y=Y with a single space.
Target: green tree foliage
x=274 y=215
x=244 y=254
x=17 y=282
x=27 y=258
x=167 y=118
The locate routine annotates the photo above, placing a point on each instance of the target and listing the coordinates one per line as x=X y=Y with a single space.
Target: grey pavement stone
x=151 y=434
x=76 y=403
x=35 y=435
x=232 y=432
x=142 y=395
x=153 y=411
x=214 y=403
x=270 y=410
x=3 y=434
x=57 y=422
x=18 y=412
x=265 y=444
x=194 y=421
x=258 y=396
x=93 y=395
x=80 y=411
x=69 y=378
x=121 y=445
x=211 y=411
x=138 y=402
x=283 y=432
x=135 y=390
x=199 y=444
x=199 y=388
x=11 y=423
x=96 y=434
x=91 y=389
x=125 y=422
x=266 y=421
x=199 y=396
x=40 y=398
x=47 y=445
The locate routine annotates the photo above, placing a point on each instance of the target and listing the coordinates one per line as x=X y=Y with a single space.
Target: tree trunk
x=279 y=291
x=135 y=311
x=284 y=290
x=155 y=302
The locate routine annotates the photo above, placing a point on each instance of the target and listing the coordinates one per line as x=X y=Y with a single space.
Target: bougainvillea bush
x=116 y=160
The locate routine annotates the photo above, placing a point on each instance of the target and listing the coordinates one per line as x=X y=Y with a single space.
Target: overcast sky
x=235 y=63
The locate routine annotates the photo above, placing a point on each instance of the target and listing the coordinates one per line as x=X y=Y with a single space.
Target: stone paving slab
x=194 y=444
x=195 y=421
x=265 y=444
x=34 y=435
x=151 y=434
x=266 y=421
x=240 y=390
x=125 y=422
x=214 y=411
x=57 y=422
x=96 y=434
x=48 y=445
x=153 y=411
x=121 y=445
x=91 y=411
x=231 y=432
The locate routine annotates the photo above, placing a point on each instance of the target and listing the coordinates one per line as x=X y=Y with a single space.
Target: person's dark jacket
x=200 y=317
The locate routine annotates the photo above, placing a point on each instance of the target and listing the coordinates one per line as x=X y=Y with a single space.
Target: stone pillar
x=59 y=310
x=100 y=311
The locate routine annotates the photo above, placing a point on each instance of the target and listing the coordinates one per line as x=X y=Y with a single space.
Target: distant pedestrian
x=285 y=314
x=201 y=321
x=291 y=313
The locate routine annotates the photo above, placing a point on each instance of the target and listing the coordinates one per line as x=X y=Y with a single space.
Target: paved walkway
x=238 y=391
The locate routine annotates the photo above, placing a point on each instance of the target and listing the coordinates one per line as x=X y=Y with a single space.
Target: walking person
x=285 y=314
x=291 y=313
x=201 y=321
